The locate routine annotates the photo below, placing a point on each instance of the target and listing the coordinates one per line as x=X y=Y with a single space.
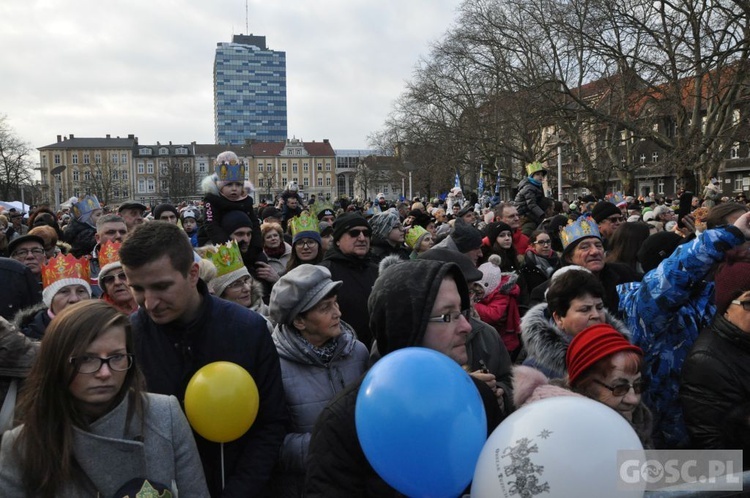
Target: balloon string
x=222 y=466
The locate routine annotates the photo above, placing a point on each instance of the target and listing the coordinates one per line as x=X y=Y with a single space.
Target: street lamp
x=559 y=142
x=54 y=172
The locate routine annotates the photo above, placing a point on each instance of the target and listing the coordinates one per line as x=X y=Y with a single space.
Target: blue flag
x=481 y=179
x=457 y=183
x=497 y=183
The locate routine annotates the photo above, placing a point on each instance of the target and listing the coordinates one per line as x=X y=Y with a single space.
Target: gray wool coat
x=111 y=454
x=309 y=385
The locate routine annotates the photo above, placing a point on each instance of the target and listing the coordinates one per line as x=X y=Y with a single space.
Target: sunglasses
x=111 y=278
x=623 y=389
x=357 y=232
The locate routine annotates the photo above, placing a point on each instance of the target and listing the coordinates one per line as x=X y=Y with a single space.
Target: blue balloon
x=421 y=423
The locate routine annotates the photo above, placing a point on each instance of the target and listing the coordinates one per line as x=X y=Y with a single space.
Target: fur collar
x=546 y=344
x=26 y=315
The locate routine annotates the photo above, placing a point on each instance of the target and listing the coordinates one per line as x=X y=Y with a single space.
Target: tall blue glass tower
x=249 y=92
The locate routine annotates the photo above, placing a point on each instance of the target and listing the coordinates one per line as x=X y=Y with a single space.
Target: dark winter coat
x=538 y=269
x=309 y=384
x=216 y=206
x=381 y=249
x=81 y=237
x=716 y=380
x=33 y=321
x=223 y=331
x=358 y=276
x=20 y=288
x=546 y=344
x=527 y=200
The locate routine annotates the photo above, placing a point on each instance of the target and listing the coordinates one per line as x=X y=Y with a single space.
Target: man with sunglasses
x=115 y=288
x=349 y=261
x=609 y=218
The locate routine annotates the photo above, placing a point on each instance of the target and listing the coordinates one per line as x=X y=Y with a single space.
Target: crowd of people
x=108 y=312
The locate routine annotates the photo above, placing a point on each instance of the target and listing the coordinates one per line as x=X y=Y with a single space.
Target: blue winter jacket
x=665 y=312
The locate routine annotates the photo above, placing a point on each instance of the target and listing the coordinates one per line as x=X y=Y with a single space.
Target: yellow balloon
x=221 y=401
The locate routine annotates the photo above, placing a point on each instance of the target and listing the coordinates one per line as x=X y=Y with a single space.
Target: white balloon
x=557 y=447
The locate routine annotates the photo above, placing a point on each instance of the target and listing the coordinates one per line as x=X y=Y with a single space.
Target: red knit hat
x=732 y=279
x=591 y=345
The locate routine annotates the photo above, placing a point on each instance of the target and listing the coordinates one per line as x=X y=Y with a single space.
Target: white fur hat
x=49 y=292
x=492 y=275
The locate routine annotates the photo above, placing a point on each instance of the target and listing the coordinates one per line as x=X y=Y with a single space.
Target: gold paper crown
x=319 y=207
x=225 y=257
x=584 y=226
x=303 y=223
x=109 y=252
x=229 y=168
x=64 y=266
x=413 y=235
x=532 y=168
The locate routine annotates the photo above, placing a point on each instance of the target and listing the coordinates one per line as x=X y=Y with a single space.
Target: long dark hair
x=626 y=241
x=47 y=409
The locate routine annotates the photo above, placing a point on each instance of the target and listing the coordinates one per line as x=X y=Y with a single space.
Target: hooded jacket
x=400 y=304
x=33 y=321
x=20 y=288
x=81 y=237
x=309 y=384
x=665 y=313
x=527 y=200
x=546 y=345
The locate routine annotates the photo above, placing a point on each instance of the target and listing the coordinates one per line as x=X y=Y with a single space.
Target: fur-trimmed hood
x=209 y=186
x=546 y=344
x=529 y=385
x=25 y=316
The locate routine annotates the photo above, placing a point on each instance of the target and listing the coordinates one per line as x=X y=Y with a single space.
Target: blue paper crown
x=229 y=168
x=616 y=198
x=86 y=205
x=584 y=226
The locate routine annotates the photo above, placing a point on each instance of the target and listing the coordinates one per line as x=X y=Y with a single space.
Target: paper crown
x=303 y=223
x=320 y=207
x=229 y=168
x=584 y=226
x=109 y=252
x=64 y=267
x=534 y=167
x=414 y=234
x=85 y=205
x=616 y=198
x=225 y=257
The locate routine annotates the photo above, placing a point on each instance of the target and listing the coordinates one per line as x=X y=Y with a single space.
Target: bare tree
x=180 y=181
x=15 y=162
x=107 y=180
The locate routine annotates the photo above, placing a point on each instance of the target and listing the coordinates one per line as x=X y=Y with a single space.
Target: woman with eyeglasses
x=115 y=288
x=540 y=260
x=603 y=365
x=65 y=281
x=88 y=427
x=715 y=389
x=307 y=243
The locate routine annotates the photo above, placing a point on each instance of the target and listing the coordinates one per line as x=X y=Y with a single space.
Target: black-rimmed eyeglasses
x=745 y=304
x=623 y=389
x=22 y=253
x=92 y=364
x=450 y=317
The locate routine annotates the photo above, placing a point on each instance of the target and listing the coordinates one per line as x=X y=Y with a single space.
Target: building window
x=181 y=151
x=643 y=158
x=124 y=159
x=97 y=158
x=163 y=185
x=738 y=184
x=294 y=167
x=141 y=169
x=260 y=167
x=306 y=182
x=260 y=182
x=328 y=183
x=269 y=168
x=115 y=174
x=163 y=151
x=76 y=175
x=150 y=168
x=163 y=168
x=660 y=186
x=655 y=157
x=283 y=168
x=141 y=185
x=284 y=180
x=295 y=180
x=75 y=158
x=125 y=192
x=86 y=159
x=124 y=177
x=735 y=117
x=305 y=168
x=57 y=159
x=151 y=185
x=186 y=167
x=734 y=152
x=320 y=182
x=87 y=176
x=201 y=167
x=328 y=166
x=320 y=166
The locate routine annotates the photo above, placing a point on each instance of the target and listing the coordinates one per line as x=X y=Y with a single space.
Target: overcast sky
x=93 y=67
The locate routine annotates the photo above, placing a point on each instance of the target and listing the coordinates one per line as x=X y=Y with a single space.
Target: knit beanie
x=346 y=222
x=383 y=223
x=62 y=271
x=656 y=248
x=732 y=279
x=496 y=228
x=235 y=219
x=161 y=208
x=593 y=344
x=603 y=210
x=465 y=236
x=491 y=274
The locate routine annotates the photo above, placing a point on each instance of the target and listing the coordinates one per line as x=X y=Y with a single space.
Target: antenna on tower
x=247 y=21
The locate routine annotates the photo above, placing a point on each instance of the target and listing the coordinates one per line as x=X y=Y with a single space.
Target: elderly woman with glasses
x=115 y=288
x=88 y=427
x=715 y=389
